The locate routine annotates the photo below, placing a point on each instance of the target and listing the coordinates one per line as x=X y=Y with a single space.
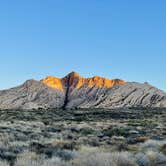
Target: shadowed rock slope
x=32 y=94
x=74 y=91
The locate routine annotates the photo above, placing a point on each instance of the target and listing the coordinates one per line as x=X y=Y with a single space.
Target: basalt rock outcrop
x=74 y=91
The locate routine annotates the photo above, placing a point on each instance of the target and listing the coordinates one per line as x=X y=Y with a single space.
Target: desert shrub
x=104 y=159
x=61 y=144
x=152 y=144
x=28 y=159
x=142 y=139
x=142 y=160
x=54 y=162
x=87 y=131
x=8 y=155
x=123 y=159
x=94 y=142
x=50 y=150
x=117 y=132
x=122 y=147
x=152 y=150
x=155 y=157
x=32 y=159
x=4 y=163
x=149 y=158
x=89 y=149
x=65 y=154
x=163 y=148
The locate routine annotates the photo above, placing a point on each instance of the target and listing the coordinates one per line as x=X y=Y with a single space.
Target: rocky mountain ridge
x=74 y=91
x=76 y=81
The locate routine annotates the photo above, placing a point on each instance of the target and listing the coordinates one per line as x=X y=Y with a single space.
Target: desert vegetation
x=83 y=137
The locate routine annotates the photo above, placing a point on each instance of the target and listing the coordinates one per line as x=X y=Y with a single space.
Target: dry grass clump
x=152 y=144
x=3 y=163
x=104 y=159
x=54 y=162
x=32 y=159
x=27 y=158
x=155 y=157
x=62 y=144
x=150 y=153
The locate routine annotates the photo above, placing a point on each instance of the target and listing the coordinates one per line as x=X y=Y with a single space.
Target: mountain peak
x=74 y=91
x=74 y=80
x=73 y=74
x=53 y=82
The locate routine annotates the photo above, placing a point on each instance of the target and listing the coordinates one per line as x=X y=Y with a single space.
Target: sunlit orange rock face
x=74 y=80
x=53 y=82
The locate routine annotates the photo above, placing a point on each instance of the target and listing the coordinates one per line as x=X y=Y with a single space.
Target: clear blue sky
x=112 y=38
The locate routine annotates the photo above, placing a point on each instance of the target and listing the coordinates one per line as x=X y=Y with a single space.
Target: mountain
x=74 y=91
x=74 y=80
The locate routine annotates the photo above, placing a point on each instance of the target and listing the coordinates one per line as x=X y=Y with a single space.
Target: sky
x=123 y=39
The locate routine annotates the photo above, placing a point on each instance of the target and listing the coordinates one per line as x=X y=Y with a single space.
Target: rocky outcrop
x=130 y=94
x=53 y=82
x=32 y=94
x=74 y=91
x=75 y=81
